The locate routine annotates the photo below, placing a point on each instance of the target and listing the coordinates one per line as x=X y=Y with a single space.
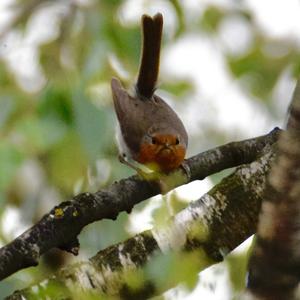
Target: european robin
x=150 y=132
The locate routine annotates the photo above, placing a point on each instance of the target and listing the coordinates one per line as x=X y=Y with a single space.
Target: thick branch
x=211 y=226
x=60 y=227
x=275 y=264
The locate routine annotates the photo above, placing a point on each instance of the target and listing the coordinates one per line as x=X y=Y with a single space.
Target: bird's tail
x=149 y=65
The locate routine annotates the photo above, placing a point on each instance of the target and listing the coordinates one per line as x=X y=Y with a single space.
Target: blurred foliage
x=166 y=270
x=262 y=65
x=211 y=18
x=59 y=115
x=259 y=70
x=237 y=263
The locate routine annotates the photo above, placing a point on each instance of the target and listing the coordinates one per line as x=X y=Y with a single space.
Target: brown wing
x=130 y=115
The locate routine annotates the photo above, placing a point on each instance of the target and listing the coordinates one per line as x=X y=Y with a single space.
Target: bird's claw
x=187 y=170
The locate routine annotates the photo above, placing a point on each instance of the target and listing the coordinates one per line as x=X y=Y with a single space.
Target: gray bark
x=210 y=228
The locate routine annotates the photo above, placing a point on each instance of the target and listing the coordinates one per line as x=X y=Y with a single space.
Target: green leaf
x=125 y=42
x=67 y=162
x=55 y=104
x=259 y=72
x=238 y=267
x=176 y=203
x=37 y=135
x=161 y=214
x=92 y=125
x=112 y=3
x=50 y=61
x=10 y=160
x=180 y=16
x=178 y=88
x=169 y=269
x=217 y=177
x=8 y=106
x=50 y=289
x=211 y=18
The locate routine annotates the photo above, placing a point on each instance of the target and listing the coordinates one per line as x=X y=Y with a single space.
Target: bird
x=150 y=135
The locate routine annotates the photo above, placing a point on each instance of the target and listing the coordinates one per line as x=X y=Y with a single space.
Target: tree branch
x=210 y=228
x=275 y=264
x=61 y=226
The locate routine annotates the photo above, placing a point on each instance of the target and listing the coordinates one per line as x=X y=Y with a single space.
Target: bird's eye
x=154 y=140
x=177 y=141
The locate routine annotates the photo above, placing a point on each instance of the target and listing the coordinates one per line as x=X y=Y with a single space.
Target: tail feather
x=149 y=65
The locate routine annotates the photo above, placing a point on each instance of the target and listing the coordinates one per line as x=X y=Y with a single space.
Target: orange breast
x=160 y=157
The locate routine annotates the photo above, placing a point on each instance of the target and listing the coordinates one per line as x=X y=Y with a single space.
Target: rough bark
x=210 y=227
x=275 y=264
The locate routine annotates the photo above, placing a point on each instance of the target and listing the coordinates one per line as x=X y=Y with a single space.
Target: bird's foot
x=141 y=170
x=186 y=168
